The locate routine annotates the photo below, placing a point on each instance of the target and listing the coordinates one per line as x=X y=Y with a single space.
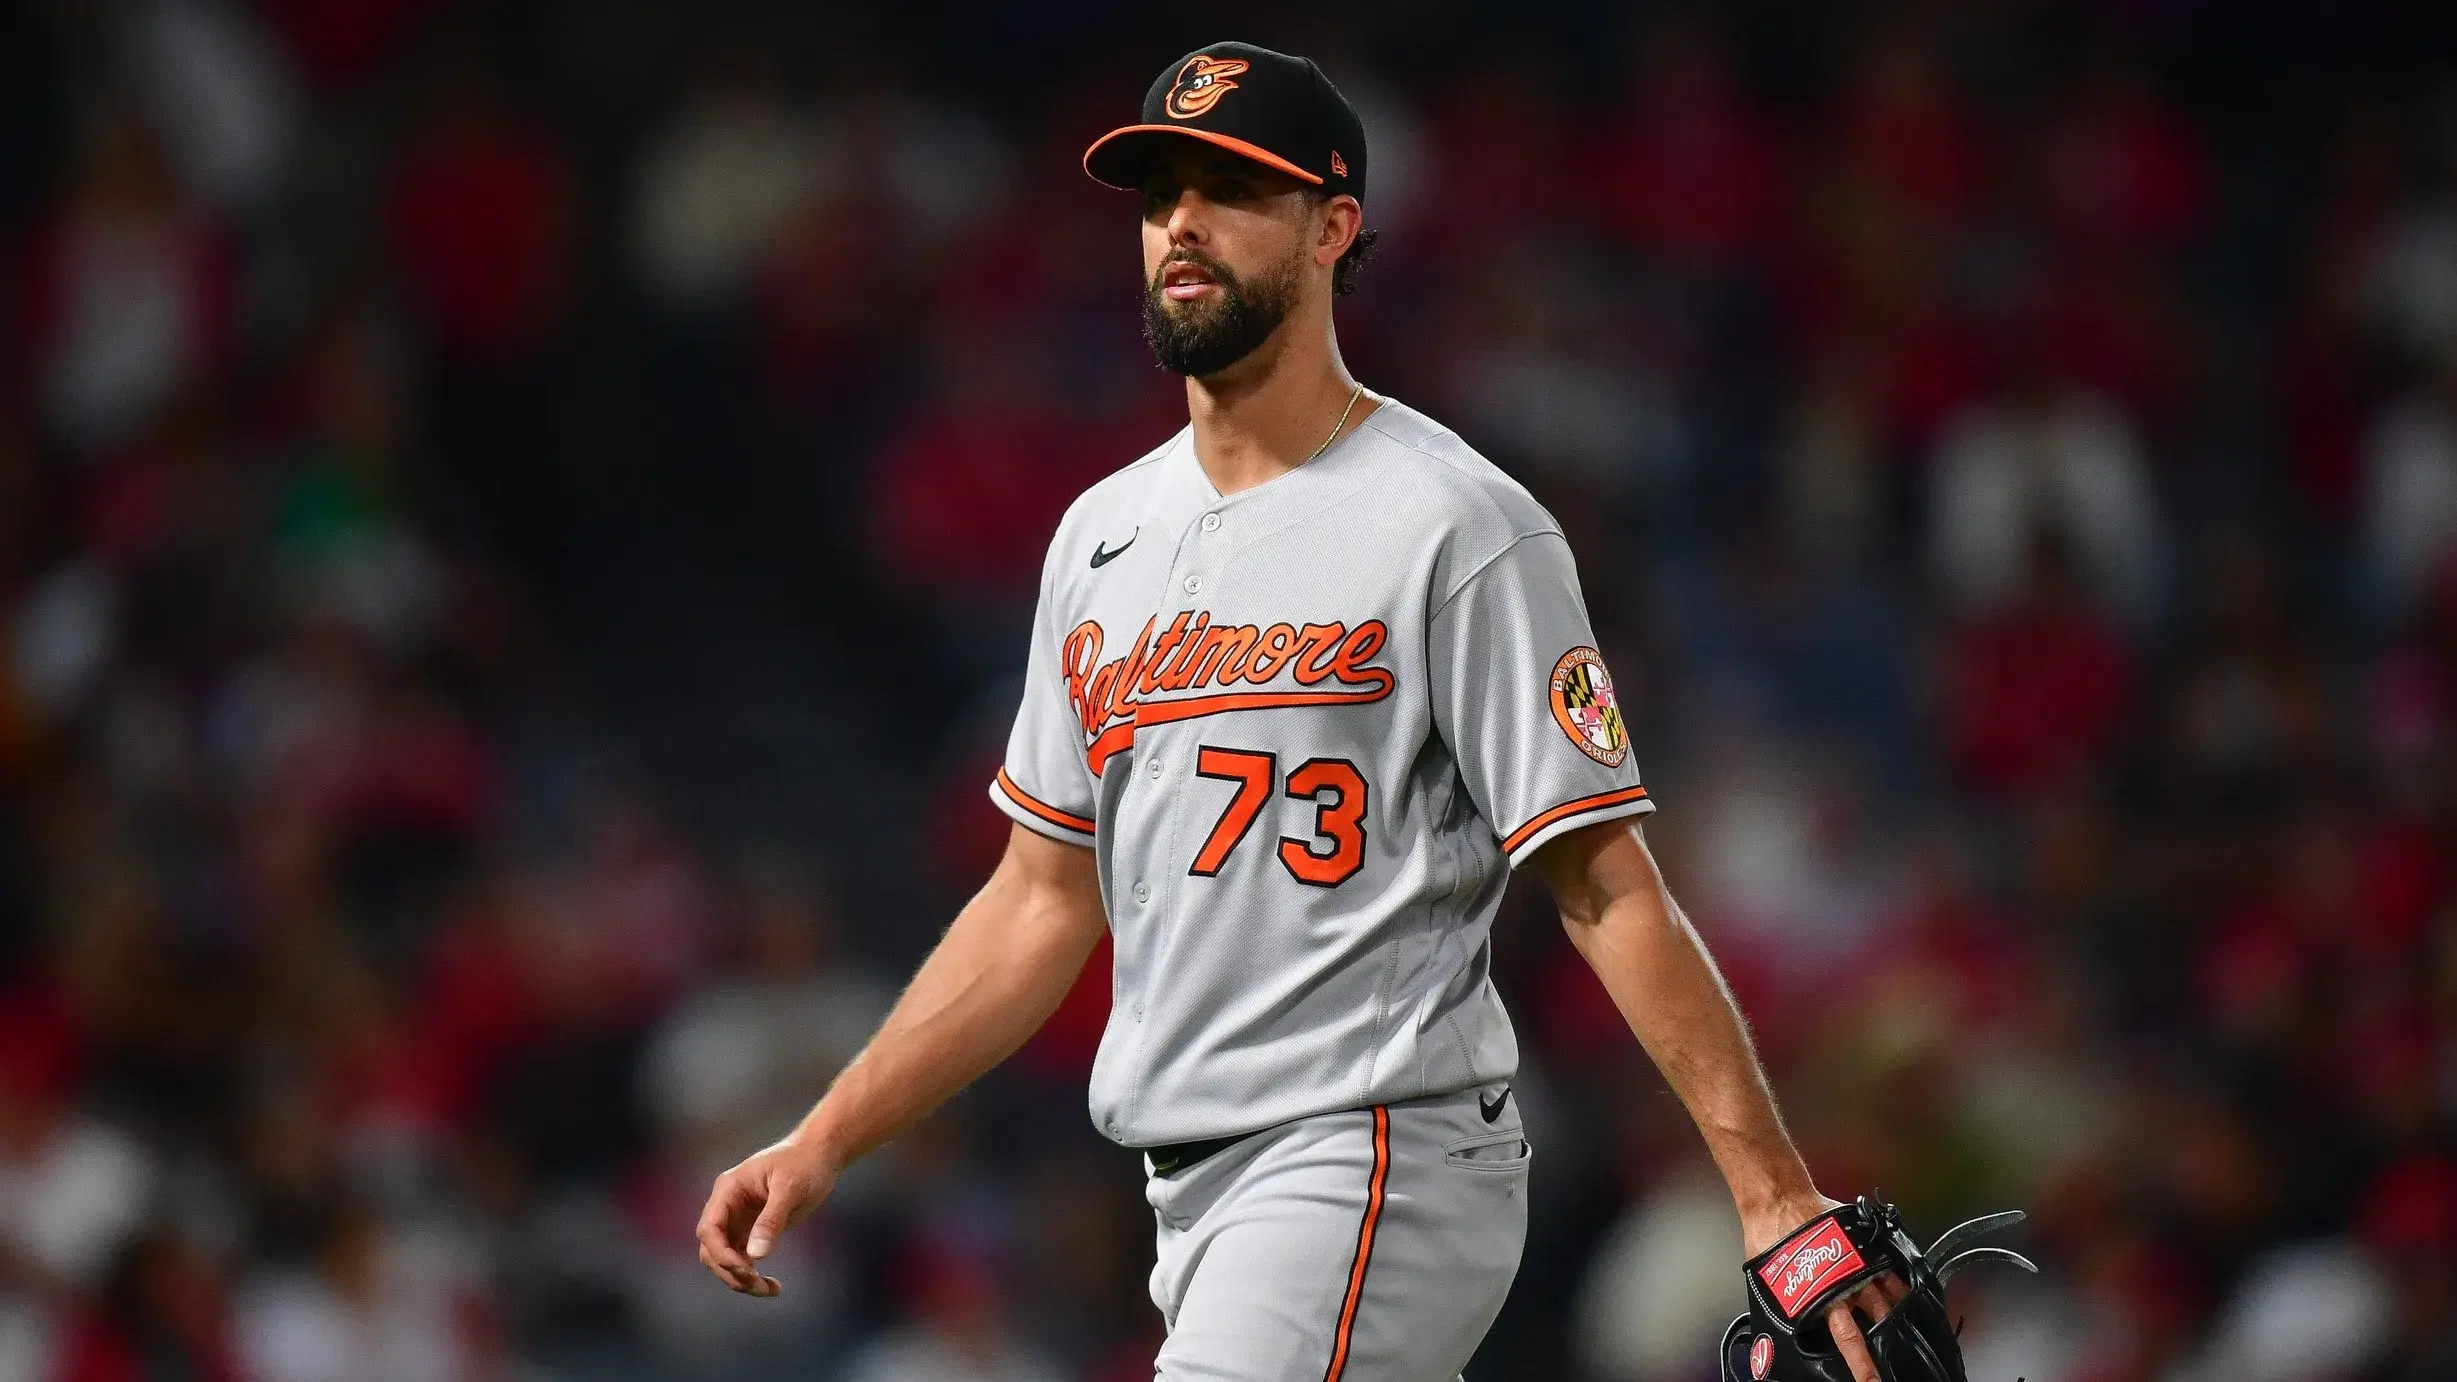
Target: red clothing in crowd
x=479 y=218
x=1691 y=172
x=2033 y=696
x=2123 y=172
x=968 y=498
x=1907 y=137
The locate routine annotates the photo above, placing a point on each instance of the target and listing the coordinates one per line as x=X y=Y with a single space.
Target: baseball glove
x=1783 y=1338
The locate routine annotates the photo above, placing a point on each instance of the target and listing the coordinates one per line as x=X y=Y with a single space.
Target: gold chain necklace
x=1353 y=396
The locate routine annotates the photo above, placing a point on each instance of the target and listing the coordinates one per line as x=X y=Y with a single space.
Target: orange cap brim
x=1234 y=145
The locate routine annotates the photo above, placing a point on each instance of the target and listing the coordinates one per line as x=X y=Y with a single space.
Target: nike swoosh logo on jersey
x=1493 y=1110
x=1102 y=556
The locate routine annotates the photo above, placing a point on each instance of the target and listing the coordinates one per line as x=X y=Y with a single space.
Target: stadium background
x=517 y=521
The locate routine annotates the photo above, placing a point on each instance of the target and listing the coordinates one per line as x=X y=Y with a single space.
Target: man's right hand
x=990 y=983
x=752 y=1205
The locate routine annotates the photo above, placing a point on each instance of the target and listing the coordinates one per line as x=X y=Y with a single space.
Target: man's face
x=1225 y=248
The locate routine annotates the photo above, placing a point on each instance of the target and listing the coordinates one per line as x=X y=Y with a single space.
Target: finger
x=748 y=1283
x=1847 y=1341
x=728 y=1202
x=1895 y=1288
x=720 y=1254
x=724 y=1258
x=775 y=1217
x=735 y=1278
x=1872 y=1301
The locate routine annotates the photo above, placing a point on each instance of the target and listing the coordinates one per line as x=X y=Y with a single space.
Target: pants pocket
x=1506 y=1150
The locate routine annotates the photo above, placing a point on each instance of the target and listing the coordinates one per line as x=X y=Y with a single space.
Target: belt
x=1179 y=1156
x=1171 y=1158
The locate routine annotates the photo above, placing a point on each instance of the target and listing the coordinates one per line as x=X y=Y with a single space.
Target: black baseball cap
x=1278 y=110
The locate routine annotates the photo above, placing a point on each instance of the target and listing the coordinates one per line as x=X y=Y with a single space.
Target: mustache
x=1220 y=273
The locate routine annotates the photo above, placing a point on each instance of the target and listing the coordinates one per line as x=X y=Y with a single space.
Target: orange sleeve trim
x=1079 y=824
x=1567 y=809
x=1364 y=1243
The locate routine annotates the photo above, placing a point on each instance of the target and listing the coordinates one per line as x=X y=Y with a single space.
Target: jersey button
x=1143 y=892
x=1211 y=523
x=1194 y=585
x=1155 y=767
x=1138 y=1012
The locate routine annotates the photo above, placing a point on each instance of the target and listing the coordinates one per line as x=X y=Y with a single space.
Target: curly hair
x=1343 y=273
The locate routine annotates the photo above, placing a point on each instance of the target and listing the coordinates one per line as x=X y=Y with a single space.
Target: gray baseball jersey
x=1306 y=729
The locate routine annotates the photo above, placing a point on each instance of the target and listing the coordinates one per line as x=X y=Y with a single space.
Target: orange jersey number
x=1252 y=772
x=1333 y=785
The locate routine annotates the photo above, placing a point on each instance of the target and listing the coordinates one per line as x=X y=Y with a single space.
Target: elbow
x=1583 y=928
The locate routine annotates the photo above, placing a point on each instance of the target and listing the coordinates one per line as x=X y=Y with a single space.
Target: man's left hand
x=1846 y=1317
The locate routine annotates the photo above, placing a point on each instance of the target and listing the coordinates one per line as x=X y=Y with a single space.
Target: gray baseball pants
x=1369 y=1246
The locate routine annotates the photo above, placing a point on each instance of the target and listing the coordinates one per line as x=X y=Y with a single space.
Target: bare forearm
x=1623 y=920
x=993 y=979
x=1665 y=985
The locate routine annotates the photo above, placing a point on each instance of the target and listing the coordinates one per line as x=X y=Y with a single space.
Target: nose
x=1185 y=224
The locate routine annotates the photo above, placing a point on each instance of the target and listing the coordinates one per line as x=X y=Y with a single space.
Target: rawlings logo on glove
x=1783 y=1338
x=1812 y=1257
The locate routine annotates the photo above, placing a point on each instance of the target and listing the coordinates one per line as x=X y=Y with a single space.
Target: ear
x=1342 y=217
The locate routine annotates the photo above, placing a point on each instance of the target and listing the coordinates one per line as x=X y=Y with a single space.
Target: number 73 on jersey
x=1335 y=787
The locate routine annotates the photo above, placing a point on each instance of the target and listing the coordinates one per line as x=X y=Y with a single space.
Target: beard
x=1202 y=339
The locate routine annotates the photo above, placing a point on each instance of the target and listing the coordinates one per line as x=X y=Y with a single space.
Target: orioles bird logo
x=1201 y=83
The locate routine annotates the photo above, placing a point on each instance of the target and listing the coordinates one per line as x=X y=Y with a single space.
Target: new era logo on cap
x=1277 y=110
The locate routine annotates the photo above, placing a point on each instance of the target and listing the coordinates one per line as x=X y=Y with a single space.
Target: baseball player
x=1306 y=682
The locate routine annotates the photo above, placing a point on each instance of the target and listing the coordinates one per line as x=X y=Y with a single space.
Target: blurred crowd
x=2012 y=452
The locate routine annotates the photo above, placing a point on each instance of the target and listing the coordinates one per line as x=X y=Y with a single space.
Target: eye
x=1232 y=190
